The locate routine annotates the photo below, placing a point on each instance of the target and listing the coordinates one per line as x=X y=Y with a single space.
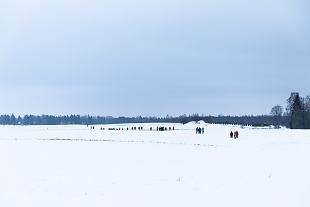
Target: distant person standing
x=231 y=134
x=236 y=134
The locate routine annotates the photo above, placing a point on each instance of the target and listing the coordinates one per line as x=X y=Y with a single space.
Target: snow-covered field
x=62 y=166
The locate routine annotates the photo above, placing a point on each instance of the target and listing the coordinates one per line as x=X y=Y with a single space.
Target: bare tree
x=276 y=112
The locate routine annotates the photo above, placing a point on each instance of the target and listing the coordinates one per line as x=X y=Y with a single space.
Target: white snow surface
x=63 y=166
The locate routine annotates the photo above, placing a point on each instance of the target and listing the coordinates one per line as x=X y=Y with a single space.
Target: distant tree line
x=296 y=116
x=78 y=119
x=263 y=120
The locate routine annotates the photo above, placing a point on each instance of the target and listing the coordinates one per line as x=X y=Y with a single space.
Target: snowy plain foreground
x=62 y=166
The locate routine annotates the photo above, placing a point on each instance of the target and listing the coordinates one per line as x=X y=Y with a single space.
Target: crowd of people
x=199 y=130
x=137 y=128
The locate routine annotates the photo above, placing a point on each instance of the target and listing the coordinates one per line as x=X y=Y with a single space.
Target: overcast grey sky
x=139 y=57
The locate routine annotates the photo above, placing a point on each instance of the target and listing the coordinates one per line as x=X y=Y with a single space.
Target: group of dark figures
x=163 y=128
x=234 y=134
x=134 y=128
x=200 y=130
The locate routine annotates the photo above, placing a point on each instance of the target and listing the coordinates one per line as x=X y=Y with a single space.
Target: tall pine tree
x=296 y=111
